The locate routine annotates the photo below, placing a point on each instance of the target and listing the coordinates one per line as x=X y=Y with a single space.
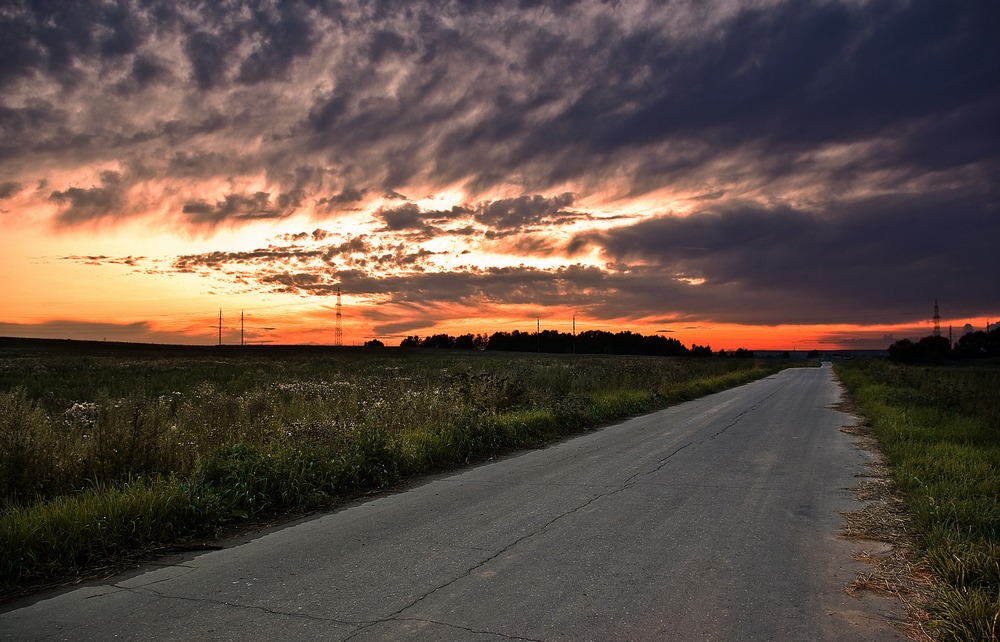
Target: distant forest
x=937 y=349
x=551 y=341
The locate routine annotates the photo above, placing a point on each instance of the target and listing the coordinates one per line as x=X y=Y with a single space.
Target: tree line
x=938 y=349
x=553 y=341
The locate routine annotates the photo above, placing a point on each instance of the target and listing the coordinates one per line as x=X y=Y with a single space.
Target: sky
x=765 y=174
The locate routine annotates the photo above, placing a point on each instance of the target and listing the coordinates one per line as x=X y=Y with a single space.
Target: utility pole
x=338 y=333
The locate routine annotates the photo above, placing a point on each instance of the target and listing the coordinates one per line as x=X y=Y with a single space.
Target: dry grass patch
x=884 y=521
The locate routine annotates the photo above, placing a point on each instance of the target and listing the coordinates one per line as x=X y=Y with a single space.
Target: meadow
x=107 y=455
x=939 y=428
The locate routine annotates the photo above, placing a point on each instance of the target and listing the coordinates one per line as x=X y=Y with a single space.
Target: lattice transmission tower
x=937 y=320
x=338 y=333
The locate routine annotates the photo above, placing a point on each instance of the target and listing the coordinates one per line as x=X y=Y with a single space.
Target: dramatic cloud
x=740 y=162
x=9 y=189
x=522 y=212
x=236 y=207
x=94 y=202
x=859 y=262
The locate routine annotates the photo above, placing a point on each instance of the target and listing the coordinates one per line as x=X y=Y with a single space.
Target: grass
x=102 y=456
x=940 y=431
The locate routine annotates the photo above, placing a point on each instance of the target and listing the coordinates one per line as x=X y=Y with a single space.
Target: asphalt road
x=716 y=519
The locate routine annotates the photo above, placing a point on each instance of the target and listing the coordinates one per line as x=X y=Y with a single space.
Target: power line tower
x=220 y=326
x=338 y=333
x=937 y=319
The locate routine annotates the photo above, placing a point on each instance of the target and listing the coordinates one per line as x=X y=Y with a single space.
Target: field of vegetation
x=940 y=430
x=104 y=456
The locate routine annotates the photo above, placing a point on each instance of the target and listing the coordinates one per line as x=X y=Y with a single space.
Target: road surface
x=716 y=519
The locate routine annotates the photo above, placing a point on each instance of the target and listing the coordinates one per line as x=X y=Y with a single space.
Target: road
x=716 y=519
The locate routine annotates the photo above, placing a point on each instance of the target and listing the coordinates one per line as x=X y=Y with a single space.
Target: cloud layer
x=745 y=162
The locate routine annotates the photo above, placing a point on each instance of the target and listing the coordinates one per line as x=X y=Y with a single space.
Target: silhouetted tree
x=701 y=351
x=374 y=343
x=903 y=351
x=438 y=341
x=977 y=345
x=553 y=341
x=927 y=350
x=471 y=342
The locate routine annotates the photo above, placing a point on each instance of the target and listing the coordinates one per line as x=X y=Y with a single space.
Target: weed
x=939 y=430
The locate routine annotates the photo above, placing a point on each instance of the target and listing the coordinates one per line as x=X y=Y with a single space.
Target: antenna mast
x=937 y=319
x=338 y=336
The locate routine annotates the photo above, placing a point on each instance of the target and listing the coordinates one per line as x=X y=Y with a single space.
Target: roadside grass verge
x=940 y=431
x=130 y=456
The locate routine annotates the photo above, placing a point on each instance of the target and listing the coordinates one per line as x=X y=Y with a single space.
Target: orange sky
x=56 y=292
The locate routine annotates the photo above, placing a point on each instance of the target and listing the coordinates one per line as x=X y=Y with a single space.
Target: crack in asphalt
x=187 y=571
x=663 y=462
x=362 y=625
x=740 y=415
x=249 y=607
x=467 y=629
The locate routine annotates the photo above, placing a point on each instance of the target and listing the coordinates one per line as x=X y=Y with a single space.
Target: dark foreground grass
x=940 y=431
x=104 y=457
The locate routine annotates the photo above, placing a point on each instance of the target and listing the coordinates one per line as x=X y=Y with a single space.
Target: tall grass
x=103 y=456
x=940 y=430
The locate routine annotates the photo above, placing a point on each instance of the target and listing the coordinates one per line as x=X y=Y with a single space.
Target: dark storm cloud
x=501 y=217
x=30 y=125
x=9 y=189
x=93 y=203
x=796 y=75
x=346 y=196
x=404 y=217
x=147 y=70
x=523 y=211
x=207 y=54
x=285 y=37
x=865 y=261
x=240 y=207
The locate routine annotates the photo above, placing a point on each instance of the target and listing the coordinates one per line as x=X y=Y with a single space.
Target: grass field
x=106 y=453
x=940 y=430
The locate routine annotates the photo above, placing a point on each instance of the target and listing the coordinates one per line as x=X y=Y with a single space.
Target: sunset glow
x=792 y=176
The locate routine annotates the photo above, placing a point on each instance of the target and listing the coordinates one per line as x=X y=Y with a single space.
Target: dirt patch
x=883 y=526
